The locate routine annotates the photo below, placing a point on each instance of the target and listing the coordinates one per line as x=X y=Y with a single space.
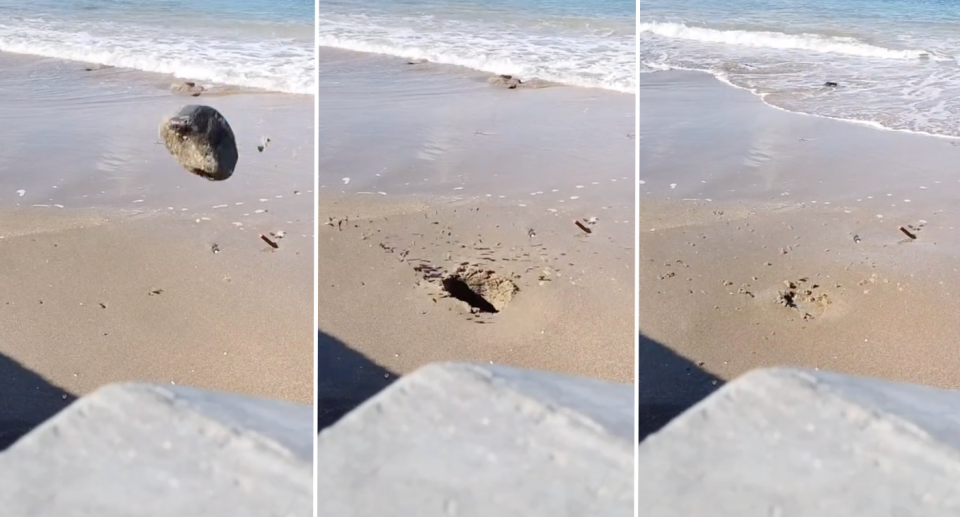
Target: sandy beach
x=771 y=238
x=464 y=174
x=121 y=266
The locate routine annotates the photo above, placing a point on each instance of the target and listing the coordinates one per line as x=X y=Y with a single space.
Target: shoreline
x=376 y=59
x=768 y=238
x=762 y=98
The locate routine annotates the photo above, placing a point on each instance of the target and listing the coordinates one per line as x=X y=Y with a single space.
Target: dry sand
x=91 y=299
x=570 y=313
x=120 y=266
x=735 y=288
x=773 y=239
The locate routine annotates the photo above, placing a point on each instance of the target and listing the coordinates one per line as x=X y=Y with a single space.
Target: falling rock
x=201 y=140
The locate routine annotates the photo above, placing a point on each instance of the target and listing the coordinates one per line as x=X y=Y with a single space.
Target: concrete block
x=800 y=443
x=470 y=441
x=138 y=449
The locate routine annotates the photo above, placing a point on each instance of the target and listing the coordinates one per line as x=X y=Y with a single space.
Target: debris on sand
x=264 y=143
x=785 y=298
x=187 y=88
x=508 y=81
x=201 y=140
x=336 y=222
x=269 y=242
x=803 y=296
x=512 y=82
x=582 y=227
x=908 y=233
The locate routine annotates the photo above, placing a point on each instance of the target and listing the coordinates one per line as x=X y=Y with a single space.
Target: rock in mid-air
x=202 y=142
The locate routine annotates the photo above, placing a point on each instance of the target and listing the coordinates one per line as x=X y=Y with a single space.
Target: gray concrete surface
x=146 y=450
x=469 y=440
x=798 y=443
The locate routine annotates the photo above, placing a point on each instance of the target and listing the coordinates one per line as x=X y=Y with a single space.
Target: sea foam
x=274 y=64
x=779 y=40
x=601 y=58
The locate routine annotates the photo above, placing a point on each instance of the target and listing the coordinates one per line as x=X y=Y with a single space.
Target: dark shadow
x=26 y=401
x=668 y=385
x=345 y=379
x=459 y=289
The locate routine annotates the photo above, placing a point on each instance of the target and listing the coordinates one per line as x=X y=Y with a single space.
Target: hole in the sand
x=787 y=299
x=459 y=289
x=483 y=290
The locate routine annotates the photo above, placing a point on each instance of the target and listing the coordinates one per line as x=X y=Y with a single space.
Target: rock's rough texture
x=800 y=443
x=201 y=140
x=145 y=450
x=471 y=441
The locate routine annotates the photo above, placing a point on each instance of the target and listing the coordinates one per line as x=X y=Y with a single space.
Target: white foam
x=266 y=63
x=591 y=59
x=779 y=40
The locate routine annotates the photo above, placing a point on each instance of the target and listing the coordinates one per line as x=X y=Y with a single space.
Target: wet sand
x=769 y=238
x=121 y=266
x=465 y=174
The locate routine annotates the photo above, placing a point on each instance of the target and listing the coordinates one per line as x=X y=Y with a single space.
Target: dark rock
x=536 y=83
x=202 y=142
x=187 y=88
x=506 y=81
x=512 y=82
x=831 y=84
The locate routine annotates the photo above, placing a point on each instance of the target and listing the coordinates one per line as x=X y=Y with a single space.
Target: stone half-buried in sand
x=201 y=140
x=482 y=289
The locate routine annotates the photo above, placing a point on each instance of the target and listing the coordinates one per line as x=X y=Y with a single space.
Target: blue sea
x=897 y=62
x=265 y=44
x=575 y=42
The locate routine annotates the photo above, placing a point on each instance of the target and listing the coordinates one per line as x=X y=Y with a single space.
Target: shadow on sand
x=26 y=400
x=668 y=385
x=345 y=379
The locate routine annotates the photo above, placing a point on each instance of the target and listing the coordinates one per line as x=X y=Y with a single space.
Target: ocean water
x=575 y=42
x=897 y=62
x=265 y=44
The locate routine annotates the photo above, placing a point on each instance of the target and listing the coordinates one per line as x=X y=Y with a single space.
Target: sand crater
x=804 y=296
x=482 y=289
